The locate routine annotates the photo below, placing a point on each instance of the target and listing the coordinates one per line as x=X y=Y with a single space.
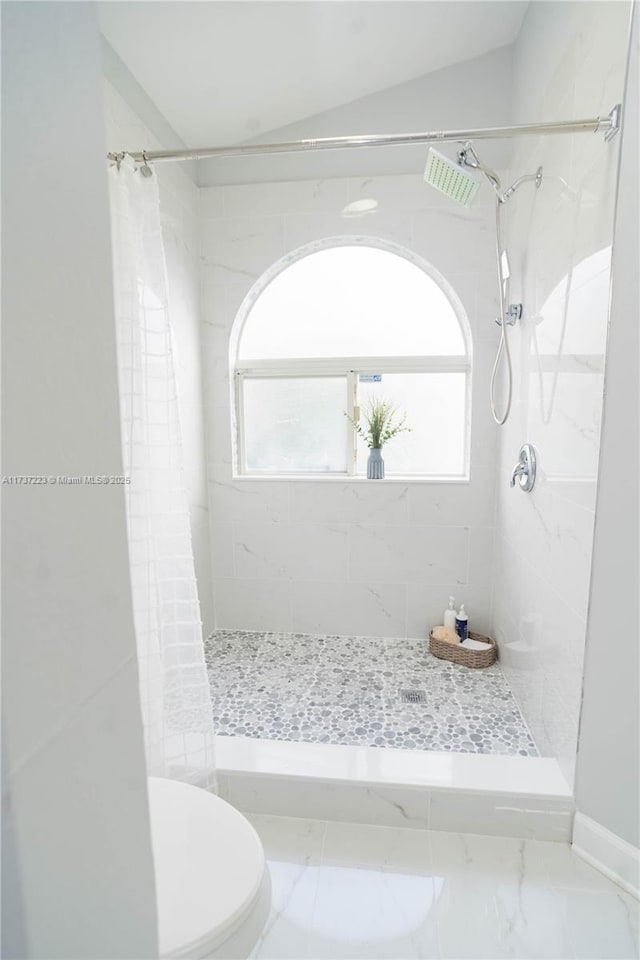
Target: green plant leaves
x=381 y=423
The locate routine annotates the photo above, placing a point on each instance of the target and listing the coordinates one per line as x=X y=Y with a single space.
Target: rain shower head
x=451 y=178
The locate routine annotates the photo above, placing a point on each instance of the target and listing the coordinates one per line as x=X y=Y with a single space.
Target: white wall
x=428 y=539
x=569 y=61
x=179 y=213
x=14 y=942
x=607 y=776
x=72 y=727
x=472 y=93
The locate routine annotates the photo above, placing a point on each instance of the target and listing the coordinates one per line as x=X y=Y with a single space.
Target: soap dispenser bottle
x=450 y=616
x=462 y=624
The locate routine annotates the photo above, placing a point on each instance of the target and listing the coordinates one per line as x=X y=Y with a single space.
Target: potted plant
x=380 y=424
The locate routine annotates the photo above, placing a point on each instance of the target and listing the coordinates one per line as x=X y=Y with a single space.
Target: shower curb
x=494 y=796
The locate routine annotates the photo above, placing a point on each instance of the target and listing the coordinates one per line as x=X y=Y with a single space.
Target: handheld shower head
x=457 y=182
x=450 y=178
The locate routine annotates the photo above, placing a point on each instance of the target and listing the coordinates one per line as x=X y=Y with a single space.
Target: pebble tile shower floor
x=349 y=690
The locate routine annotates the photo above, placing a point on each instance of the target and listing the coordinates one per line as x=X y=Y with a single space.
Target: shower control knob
x=524 y=471
x=514 y=313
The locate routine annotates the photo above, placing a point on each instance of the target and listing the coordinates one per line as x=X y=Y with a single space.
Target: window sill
x=344 y=478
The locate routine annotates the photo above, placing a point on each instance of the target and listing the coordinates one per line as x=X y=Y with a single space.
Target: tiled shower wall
x=354 y=556
x=178 y=209
x=569 y=62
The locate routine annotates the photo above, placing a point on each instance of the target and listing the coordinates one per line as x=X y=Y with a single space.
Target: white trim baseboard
x=608 y=853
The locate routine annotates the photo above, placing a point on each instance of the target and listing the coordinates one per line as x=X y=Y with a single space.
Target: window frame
x=349 y=367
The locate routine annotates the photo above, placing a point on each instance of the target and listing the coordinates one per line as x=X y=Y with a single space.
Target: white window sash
x=341 y=366
x=350 y=368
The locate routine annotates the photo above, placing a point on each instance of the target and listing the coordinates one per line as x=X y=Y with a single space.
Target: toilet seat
x=212 y=883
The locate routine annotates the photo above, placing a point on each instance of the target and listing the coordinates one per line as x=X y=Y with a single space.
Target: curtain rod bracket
x=614 y=118
x=116 y=158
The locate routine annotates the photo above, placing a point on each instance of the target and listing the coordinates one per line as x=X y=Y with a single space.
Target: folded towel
x=475 y=645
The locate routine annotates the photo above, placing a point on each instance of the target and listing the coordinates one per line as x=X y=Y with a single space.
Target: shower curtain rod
x=609 y=124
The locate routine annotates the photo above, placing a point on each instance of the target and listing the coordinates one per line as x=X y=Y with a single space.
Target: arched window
x=332 y=327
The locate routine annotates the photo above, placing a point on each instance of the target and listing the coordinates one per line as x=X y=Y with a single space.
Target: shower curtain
x=174 y=687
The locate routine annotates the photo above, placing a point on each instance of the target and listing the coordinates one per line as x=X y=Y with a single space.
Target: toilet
x=212 y=882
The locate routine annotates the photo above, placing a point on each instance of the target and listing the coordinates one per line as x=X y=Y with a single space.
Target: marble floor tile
x=290 y=839
x=349 y=890
x=294 y=893
x=349 y=690
x=378 y=847
x=367 y=912
x=567 y=871
x=602 y=926
x=495 y=899
x=293 y=848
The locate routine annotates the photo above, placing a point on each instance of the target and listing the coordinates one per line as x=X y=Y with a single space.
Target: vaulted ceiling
x=225 y=71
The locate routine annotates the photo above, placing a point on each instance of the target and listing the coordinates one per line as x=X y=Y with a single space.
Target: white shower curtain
x=174 y=687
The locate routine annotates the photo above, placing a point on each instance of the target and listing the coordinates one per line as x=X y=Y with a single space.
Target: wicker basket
x=459 y=654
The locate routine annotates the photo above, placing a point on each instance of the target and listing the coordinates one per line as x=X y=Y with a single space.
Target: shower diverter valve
x=524 y=471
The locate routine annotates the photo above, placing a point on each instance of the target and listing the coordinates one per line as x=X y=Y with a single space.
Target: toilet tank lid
x=209 y=865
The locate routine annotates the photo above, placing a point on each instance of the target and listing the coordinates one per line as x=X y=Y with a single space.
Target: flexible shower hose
x=503 y=346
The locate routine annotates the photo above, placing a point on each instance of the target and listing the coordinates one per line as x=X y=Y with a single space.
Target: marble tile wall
x=484 y=812
x=331 y=556
x=569 y=62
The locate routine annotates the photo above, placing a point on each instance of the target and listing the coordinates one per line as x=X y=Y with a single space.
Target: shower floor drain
x=413 y=696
